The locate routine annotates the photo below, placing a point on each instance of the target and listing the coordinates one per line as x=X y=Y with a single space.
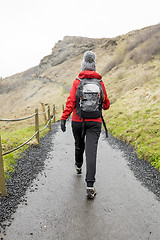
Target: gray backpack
x=89 y=98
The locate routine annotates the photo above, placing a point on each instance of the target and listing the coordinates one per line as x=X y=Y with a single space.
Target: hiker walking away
x=86 y=99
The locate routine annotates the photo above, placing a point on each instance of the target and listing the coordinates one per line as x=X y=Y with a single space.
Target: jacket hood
x=89 y=74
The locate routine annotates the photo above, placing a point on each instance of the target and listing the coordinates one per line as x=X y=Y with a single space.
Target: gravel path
x=51 y=198
x=143 y=170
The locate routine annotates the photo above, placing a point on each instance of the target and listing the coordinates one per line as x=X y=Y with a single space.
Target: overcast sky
x=30 y=28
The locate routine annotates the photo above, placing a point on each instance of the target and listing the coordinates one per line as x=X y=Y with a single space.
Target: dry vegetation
x=134 y=87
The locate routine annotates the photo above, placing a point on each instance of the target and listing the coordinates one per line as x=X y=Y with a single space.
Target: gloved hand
x=63 y=125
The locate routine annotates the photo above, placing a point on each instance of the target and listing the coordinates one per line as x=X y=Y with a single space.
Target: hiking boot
x=78 y=169
x=91 y=192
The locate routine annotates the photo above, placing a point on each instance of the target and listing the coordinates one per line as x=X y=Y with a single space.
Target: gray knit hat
x=89 y=61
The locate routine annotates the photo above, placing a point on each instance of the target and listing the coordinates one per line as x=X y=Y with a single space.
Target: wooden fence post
x=49 y=118
x=37 y=126
x=43 y=109
x=54 y=113
x=2 y=177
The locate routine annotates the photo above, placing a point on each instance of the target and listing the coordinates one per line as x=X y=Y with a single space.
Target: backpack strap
x=79 y=78
x=104 y=124
x=83 y=126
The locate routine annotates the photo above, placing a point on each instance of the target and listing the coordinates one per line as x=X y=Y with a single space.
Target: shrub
x=143 y=36
x=149 y=49
x=117 y=59
x=109 y=66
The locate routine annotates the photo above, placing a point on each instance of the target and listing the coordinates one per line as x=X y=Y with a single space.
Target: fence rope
x=45 y=126
x=20 y=145
x=18 y=119
x=26 y=141
x=43 y=112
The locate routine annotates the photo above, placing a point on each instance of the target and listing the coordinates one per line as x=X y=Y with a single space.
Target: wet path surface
x=56 y=206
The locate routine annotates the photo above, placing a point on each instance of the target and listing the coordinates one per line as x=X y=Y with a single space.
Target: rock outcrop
x=69 y=47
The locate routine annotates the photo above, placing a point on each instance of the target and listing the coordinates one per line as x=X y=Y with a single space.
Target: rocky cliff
x=67 y=49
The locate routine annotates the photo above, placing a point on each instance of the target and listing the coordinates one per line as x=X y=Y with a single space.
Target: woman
x=90 y=127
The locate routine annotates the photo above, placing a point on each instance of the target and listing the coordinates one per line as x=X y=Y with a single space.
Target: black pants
x=89 y=143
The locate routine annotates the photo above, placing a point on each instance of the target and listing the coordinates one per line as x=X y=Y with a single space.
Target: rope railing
x=20 y=145
x=18 y=119
x=3 y=190
x=45 y=126
x=21 y=119
x=43 y=112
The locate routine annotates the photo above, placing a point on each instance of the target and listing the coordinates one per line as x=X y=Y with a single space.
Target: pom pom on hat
x=89 y=61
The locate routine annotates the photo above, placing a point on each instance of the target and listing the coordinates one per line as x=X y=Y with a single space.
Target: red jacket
x=71 y=100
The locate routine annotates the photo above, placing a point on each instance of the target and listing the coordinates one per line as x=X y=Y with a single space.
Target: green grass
x=14 y=138
x=15 y=134
x=135 y=120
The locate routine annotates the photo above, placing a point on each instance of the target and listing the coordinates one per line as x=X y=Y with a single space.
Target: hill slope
x=130 y=68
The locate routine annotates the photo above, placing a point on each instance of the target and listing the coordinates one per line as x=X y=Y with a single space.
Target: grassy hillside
x=134 y=118
x=134 y=88
x=130 y=66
